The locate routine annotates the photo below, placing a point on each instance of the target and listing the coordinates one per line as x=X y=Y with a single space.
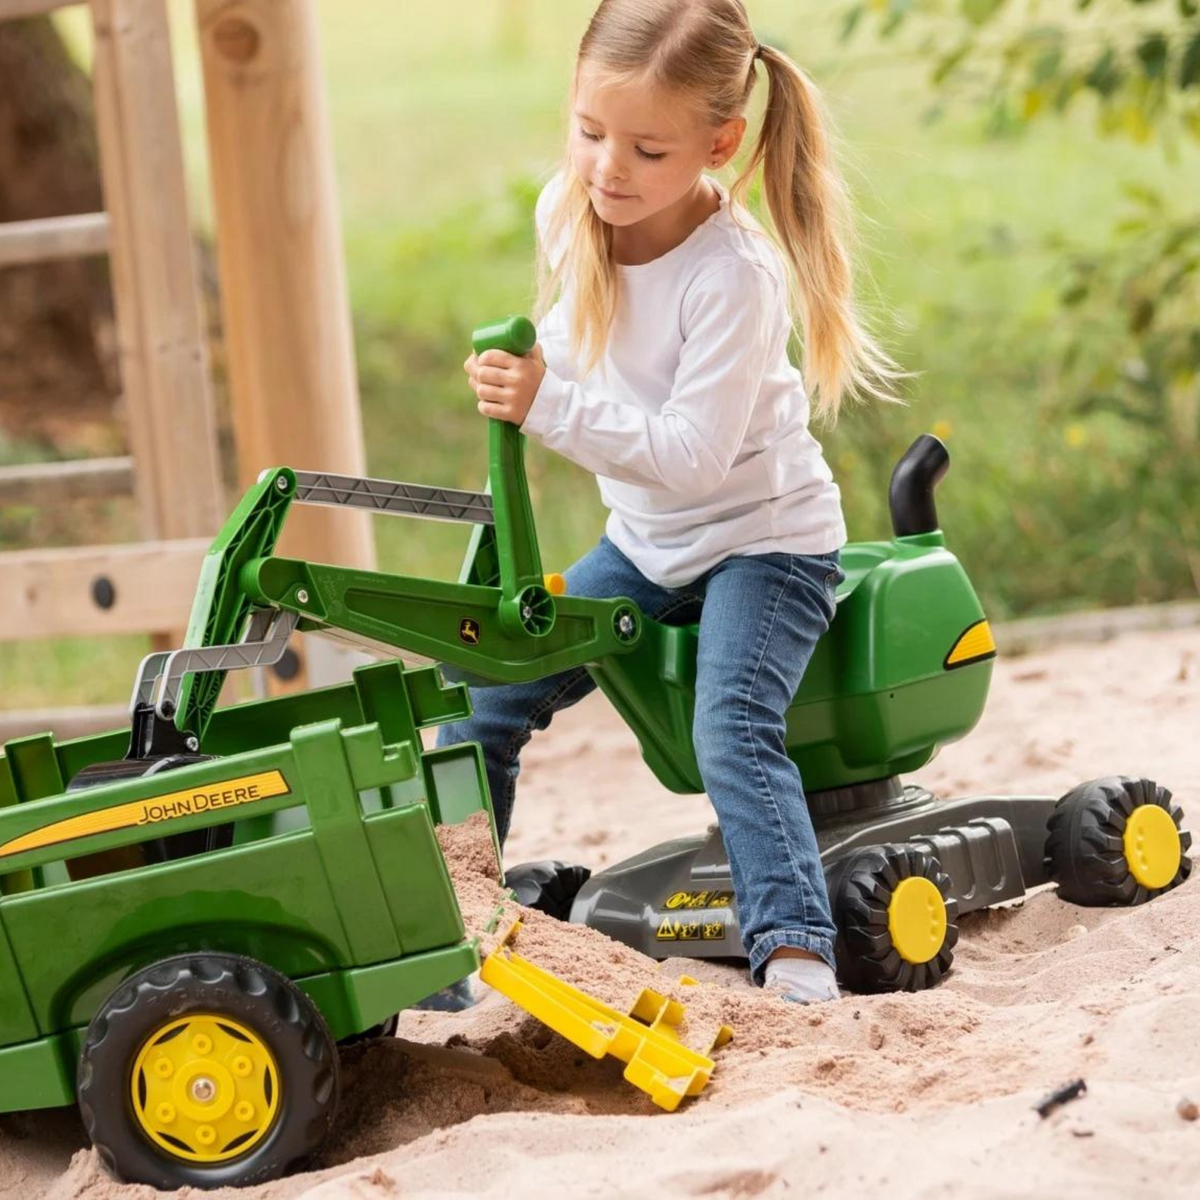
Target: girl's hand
x=505 y=384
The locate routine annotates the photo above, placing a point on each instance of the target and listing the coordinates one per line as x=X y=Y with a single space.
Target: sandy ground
x=926 y=1095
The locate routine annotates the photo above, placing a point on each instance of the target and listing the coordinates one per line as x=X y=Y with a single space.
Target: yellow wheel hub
x=917 y=919
x=1152 y=847
x=205 y=1088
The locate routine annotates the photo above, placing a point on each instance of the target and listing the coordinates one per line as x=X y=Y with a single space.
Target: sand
x=925 y=1095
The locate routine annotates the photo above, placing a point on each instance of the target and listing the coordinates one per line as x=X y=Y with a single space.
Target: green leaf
x=1189 y=67
x=947 y=65
x=897 y=10
x=850 y=21
x=1152 y=53
x=1046 y=65
x=1188 y=8
x=1143 y=194
x=1141 y=314
x=1075 y=295
x=1065 y=92
x=1104 y=76
x=978 y=12
x=1181 y=275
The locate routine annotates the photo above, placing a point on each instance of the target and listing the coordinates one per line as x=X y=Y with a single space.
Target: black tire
x=549 y=887
x=240 y=989
x=1085 y=842
x=868 y=960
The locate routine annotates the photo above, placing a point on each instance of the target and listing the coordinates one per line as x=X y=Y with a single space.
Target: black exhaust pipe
x=910 y=495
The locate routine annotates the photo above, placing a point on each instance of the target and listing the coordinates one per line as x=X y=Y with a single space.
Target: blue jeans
x=760 y=617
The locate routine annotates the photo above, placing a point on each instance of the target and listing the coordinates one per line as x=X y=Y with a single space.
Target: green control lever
x=526 y=604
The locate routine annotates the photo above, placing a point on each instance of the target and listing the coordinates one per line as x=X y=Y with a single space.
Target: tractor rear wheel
x=206 y=1070
x=1116 y=841
x=895 y=919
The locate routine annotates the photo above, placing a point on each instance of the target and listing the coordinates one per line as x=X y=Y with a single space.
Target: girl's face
x=639 y=148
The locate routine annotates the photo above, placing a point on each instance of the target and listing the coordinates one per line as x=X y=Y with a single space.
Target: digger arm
x=499 y=623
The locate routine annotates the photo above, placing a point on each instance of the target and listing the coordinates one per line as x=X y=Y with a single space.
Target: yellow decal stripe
x=190 y=803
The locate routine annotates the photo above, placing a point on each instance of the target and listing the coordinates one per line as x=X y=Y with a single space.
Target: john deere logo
x=224 y=793
x=468 y=631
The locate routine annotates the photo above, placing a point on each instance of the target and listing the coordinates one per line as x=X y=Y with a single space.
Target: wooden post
x=292 y=371
x=163 y=353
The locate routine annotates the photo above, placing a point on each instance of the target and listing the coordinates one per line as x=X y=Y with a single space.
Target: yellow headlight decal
x=975 y=644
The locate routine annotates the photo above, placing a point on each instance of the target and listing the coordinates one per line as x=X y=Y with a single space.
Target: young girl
x=663 y=369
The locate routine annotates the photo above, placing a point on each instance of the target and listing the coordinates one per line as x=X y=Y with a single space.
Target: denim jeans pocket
x=833 y=576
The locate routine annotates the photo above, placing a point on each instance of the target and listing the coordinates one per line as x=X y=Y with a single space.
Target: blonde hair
x=706 y=49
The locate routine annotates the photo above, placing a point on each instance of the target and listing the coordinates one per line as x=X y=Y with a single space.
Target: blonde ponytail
x=810 y=212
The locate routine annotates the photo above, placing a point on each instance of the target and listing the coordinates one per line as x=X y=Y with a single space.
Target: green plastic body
x=334 y=877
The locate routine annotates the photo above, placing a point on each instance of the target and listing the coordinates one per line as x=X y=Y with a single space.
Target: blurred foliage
x=1136 y=63
x=1138 y=60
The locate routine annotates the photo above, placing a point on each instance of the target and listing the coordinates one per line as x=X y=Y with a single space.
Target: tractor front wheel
x=896 y=922
x=1116 y=841
x=206 y=1070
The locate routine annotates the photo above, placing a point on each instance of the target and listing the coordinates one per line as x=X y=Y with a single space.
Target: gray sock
x=802 y=980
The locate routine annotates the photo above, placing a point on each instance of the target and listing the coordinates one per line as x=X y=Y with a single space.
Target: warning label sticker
x=683 y=929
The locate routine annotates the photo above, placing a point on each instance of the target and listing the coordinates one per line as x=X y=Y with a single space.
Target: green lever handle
x=526 y=606
x=514 y=334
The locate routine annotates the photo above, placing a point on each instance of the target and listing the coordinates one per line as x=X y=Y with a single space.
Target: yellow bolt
x=163 y=1067
x=165 y=1113
x=244 y=1111
x=242 y=1066
x=202 y=1043
x=206 y=1135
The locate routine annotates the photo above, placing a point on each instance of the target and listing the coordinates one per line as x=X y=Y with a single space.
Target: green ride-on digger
x=196 y=909
x=903 y=670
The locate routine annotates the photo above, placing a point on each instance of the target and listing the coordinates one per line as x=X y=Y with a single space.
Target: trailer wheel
x=1116 y=841
x=206 y=1070
x=549 y=887
x=896 y=922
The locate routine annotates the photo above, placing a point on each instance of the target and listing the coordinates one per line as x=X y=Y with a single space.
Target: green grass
x=444 y=123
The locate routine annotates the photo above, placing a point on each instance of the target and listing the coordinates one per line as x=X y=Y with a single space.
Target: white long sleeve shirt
x=694 y=422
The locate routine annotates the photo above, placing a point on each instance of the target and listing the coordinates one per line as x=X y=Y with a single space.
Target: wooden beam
x=54 y=483
x=53 y=238
x=89 y=590
x=292 y=373
x=13 y=9
x=66 y=723
x=163 y=348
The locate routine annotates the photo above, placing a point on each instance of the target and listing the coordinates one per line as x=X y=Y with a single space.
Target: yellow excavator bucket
x=646 y=1039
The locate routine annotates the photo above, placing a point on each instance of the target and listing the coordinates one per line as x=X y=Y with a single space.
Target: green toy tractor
x=196 y=909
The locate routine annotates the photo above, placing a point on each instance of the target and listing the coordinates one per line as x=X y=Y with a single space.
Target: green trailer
x=196 y=909
x=291 y=875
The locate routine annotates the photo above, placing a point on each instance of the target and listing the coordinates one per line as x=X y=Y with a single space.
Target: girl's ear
x=726 y=141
